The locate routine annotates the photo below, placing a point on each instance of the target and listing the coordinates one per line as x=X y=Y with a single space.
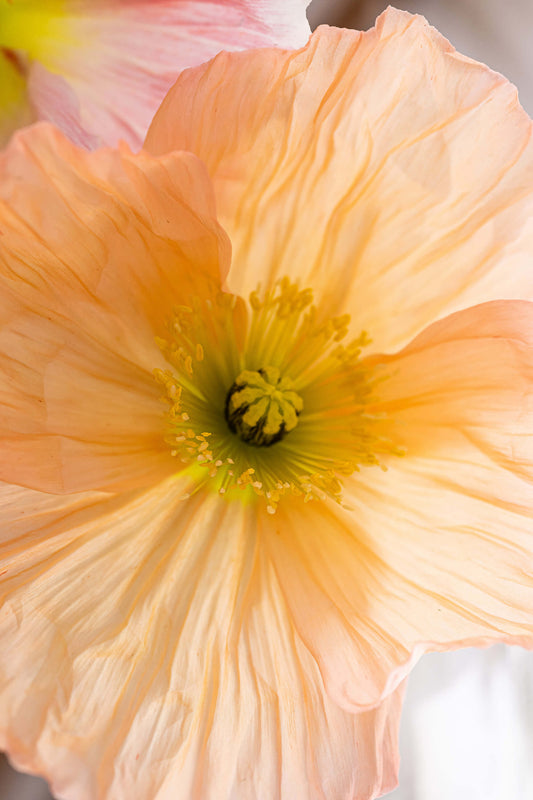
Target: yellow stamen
x=266 y=400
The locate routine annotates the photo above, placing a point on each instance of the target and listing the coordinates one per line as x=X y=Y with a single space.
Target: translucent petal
x=436 y=552
x=383 y=169
x=148 y=651
x=96 y=250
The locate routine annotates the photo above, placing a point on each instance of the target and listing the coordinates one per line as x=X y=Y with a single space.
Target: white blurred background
x=467 y=726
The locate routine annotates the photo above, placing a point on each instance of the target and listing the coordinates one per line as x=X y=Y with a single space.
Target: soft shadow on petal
x=151 y=654
x=74 y=415
x=466 y=382
x=383 y=169
x=329 y=577
x=95 y=251
x=15 y=110
x=121 y=57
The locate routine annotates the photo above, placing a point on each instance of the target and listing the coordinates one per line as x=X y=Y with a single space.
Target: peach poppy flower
x=177 y=620
x=99 y=68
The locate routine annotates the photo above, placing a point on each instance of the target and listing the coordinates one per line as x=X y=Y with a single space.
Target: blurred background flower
x=98 y=69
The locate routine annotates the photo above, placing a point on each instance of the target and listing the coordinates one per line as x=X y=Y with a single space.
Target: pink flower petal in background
x=118 y=58
x=54 y=99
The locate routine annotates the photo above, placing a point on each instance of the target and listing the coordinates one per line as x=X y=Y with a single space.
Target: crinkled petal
x=121 y=57
x=383 y=169
x=437 y=551
x=95 y=251
x=470 y=377
x=147 y=651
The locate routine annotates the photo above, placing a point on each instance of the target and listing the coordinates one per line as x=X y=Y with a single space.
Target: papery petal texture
x=118 y=59
x=163 y=660
x=436 y=552
x=97 y=253
x=383 y=168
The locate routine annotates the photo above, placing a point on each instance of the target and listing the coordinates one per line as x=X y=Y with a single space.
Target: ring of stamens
x=263 y=397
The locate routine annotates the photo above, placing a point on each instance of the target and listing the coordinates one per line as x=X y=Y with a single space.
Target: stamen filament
x=265 y=399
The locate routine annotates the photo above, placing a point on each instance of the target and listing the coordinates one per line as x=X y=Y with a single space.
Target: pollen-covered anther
x=261 y=406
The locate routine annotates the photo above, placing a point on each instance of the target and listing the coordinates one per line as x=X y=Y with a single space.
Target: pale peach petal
x=148 y=652
x=383 y=169
x=74 y=415
x=467 y=377
x=437 y=551
x=95 y=251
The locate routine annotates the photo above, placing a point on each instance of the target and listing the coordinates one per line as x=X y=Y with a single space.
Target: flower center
x=296 y=418
x=261 y=407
